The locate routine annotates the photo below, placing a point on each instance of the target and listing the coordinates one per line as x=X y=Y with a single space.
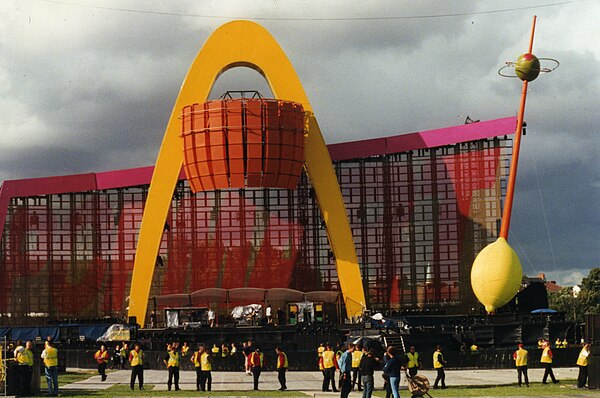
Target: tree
x=590 y=292
x=587 y=302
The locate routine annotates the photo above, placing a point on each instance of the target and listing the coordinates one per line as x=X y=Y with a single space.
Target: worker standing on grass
x=50 y=357
x=413 y=361
x=329 y=361
x=282 y=365
x=171 y=361
x=205 y=360
x=546 y=361
x=357 y=355
x=257 y=361
x=24 y=358
x=582 y=363
x=438 y=364
x=136 y=360
x=196 y=361
x=520 y=357
x=101 y=356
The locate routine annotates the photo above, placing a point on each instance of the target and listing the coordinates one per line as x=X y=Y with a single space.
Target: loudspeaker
x=592 y=329
x=593 y=372
x=533 y=297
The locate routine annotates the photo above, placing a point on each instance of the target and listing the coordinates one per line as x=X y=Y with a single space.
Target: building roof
x=342 y=151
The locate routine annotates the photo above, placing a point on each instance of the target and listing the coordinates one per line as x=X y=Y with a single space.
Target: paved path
x=309 y=382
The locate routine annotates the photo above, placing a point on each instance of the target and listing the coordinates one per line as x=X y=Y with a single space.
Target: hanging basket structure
x=243 y=142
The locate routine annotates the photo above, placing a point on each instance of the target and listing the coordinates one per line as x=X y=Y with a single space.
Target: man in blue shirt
x=345 y=364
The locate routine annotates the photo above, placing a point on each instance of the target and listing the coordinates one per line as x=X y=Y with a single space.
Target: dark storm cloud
x=84 y=89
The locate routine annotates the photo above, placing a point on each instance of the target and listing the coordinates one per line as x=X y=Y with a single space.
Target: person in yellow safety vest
x=50 y=357
x=195 y=359
x=438 y=364
x=564 y=343
x=582 y=363
x=215 y=350
x=185 y=348
x=546 y=361
x=101 y=357
x=558 y=343
x=171 y=361
x=356 y=376
x=224 y=350
x=203 y=363
x=24 y=358
x=320 y=350
x=124 y=350
x=520 y=357
x=413 y=361
x=233 y=350
x=541 y=343
x=257 y=361
x=136 y=360
x=329 y=363
x=282 y=365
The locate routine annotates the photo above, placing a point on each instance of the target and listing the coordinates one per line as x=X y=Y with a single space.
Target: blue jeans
x=367 y=382
x=52 y=380
x=395 y=384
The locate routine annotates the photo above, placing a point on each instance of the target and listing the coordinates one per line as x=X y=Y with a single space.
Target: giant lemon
x=496 y=275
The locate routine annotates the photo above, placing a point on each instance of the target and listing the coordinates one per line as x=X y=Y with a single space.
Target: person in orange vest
x=136 y=360
x=282 y=365
x=257 y=361
x=329 y=366
x=520 y=357
x=546 y=362
x=50 y=357
x=171 y=361
x=101 y=356
x=582 y=363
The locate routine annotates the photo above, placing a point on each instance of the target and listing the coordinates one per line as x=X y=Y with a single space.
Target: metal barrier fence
x=3 y=351
x=307 y=360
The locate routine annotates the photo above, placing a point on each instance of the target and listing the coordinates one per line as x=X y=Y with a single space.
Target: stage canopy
x=204 y=297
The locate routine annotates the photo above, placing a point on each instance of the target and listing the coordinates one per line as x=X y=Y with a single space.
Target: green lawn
x=123 y=390
x=68 y=377
x=536 y=390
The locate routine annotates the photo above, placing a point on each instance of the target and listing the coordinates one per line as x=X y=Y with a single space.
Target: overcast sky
x=89 y=85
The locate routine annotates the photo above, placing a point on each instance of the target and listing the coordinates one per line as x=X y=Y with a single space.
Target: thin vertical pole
x=510 y=189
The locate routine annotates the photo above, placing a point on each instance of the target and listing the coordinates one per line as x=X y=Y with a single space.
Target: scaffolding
x=418 y=220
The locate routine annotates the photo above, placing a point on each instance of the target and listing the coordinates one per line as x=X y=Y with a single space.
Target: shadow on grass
x=565 y=387
x=124 y=390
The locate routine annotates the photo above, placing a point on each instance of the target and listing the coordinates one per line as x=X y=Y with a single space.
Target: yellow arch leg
x=243 y=43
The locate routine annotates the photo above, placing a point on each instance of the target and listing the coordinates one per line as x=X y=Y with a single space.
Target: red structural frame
x=342 y=151
x=419 y=212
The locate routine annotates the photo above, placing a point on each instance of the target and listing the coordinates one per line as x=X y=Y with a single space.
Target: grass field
x=535 y=390
x=122 y=390
x=125 y=391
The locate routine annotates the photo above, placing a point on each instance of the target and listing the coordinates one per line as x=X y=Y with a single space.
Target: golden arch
x=243 y=43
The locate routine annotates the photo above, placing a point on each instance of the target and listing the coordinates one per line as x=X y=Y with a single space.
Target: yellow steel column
x=243 y=43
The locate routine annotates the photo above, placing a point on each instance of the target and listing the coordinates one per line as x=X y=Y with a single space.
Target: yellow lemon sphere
x=496 y=275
